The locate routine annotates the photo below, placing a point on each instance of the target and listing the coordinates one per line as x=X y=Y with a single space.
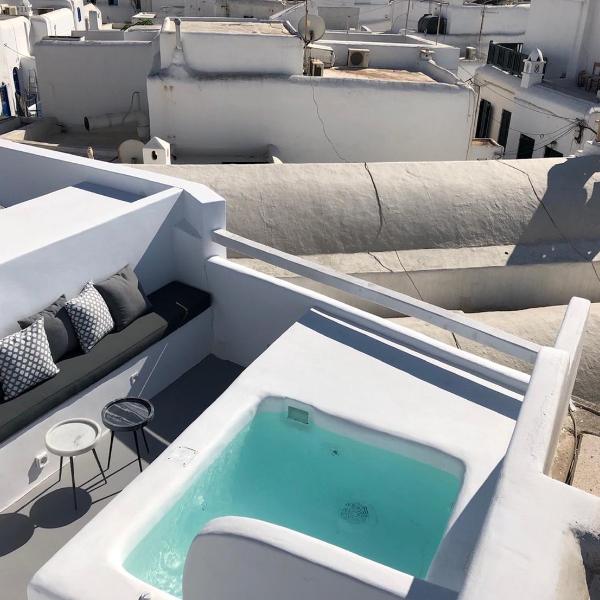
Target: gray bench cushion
x=172 y=306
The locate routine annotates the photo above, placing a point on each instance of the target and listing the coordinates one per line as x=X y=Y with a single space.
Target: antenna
x=311 y=27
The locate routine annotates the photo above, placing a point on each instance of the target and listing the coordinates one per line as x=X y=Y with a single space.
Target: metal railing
x=396 y=301
x=507 y=57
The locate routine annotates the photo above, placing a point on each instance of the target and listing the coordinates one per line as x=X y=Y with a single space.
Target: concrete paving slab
x=587 y=469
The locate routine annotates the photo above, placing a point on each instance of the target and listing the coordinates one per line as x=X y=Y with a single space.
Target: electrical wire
x=526 y=106
x=15 y=51
x=539 y=133
x=545 y=143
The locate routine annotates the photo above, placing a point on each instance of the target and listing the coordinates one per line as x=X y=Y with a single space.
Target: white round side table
x=72 y=438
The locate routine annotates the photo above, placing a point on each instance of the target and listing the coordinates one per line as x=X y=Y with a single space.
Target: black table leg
x=145 y=440
x=112 y=439
x=73 y=481
x=60 y=469
x=98 y=463
x=137 y=448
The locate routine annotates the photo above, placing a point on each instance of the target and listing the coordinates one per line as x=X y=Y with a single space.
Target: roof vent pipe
x=118 y=119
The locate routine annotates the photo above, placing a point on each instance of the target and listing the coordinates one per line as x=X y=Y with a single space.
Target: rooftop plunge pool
x=292 y=467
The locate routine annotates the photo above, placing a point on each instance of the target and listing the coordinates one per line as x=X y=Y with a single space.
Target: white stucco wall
x=14 y=46
x=320 y=120
x=558 y=28
x=390 y=51
x=56 y=22
x=248 y=53
x=496 y=19
x=74 y=77
x=259 y=9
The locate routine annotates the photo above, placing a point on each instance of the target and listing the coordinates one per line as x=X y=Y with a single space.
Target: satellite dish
x=312 y=28
x=130 y=152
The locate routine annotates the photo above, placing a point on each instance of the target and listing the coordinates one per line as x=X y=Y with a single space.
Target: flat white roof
x=235 y=27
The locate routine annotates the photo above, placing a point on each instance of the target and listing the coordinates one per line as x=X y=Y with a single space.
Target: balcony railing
x=507 y=57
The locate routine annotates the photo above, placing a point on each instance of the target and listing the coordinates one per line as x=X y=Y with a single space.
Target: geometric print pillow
x=25 y=360
x=90 y=316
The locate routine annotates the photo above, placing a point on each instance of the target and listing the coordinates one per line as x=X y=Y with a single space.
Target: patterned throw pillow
x=90 y=316
x=25 y=360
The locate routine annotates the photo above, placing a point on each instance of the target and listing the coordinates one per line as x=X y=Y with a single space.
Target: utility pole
x=484 y=6
x=407 y=13
x=439 y=21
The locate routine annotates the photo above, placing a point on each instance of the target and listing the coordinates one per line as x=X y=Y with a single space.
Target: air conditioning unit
x=358 y=57
x=316 y=67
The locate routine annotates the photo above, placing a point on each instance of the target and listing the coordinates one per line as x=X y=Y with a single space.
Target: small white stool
x=72 y=438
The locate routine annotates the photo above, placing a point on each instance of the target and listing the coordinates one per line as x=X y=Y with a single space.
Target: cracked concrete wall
x=322 y=209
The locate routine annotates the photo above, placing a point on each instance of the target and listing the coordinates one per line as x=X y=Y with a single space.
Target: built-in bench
x=172 y=306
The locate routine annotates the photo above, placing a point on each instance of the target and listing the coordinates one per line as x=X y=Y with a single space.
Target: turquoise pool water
x=381 y=505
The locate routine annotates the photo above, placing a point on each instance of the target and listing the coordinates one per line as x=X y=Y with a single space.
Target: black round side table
x=128 y=414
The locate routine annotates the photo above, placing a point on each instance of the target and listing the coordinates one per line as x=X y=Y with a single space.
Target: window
x=4 y=103
x=550 y=152
x=79 y=14
x=113 y=2
x=484 y=121
x=504 y=127
x=526 y=146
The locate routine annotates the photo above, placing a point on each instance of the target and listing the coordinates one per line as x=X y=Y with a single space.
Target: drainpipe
x=117 y=119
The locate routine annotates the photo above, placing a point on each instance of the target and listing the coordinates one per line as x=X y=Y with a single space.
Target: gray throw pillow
x=124 y=296
x=25 y=360
x=58 y=326
x=90 y=317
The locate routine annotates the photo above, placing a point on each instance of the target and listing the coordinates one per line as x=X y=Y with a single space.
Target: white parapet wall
x=221 y=47
x=472 y=19
x=322 y=119
x=125 y=64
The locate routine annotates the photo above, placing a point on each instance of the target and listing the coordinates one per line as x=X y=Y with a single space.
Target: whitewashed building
x=16 y=64
x=540 y=98
x=236 y=88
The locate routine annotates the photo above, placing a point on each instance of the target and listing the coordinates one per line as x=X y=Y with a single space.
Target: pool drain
x=354 y=512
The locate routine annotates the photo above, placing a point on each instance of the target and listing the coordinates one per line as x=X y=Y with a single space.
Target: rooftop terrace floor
x=372 y=73
x=39 y=524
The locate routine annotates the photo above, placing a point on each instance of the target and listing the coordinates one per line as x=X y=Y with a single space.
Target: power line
x=540 y=134
x=517 y=101
x=535 y=149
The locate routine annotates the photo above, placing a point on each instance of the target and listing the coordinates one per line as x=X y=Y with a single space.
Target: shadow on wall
x=465 y=531
x=430 y=373
x=567 y=208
